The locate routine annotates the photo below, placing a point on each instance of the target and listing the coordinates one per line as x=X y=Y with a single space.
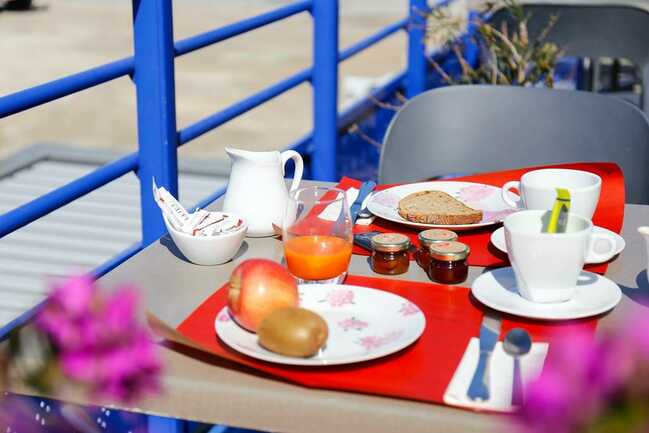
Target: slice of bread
x=437 y=207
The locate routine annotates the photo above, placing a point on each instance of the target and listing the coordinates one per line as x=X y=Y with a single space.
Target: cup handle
x=299 y=166
x=507 y=198
x=605 y=256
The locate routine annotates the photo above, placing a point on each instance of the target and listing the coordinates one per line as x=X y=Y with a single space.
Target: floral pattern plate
x=363 y=324
x=487 y=198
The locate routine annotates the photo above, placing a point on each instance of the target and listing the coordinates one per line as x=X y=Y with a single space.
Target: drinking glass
x=317 y=235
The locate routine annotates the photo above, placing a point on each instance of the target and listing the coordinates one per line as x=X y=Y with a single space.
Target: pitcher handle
x=299 y=167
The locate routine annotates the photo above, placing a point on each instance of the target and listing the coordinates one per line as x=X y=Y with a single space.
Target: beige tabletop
x=204 y=388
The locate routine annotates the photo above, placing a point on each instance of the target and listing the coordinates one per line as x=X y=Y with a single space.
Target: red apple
x=257 y=288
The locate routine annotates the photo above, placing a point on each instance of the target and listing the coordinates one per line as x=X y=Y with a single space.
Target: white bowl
x=208 y=250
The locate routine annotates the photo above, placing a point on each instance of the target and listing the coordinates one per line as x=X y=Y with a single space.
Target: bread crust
x=437 y=207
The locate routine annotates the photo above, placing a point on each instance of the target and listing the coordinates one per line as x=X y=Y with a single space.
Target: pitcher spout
x=254 y=156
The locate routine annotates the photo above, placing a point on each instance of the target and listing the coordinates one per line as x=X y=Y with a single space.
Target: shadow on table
x=639 y=294
x=168 y=243
x=22 y=6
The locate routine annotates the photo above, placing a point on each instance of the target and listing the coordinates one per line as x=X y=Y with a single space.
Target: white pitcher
x=256 y=189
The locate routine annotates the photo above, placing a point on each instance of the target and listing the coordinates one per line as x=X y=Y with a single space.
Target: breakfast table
x=202 y=387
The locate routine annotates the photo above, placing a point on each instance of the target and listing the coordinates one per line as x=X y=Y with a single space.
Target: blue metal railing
x=152 y=70
x=417 y=62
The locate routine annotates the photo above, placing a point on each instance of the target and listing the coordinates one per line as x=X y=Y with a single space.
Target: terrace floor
x=66 y=36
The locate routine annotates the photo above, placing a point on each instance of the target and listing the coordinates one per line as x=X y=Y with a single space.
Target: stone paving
x=66 y=36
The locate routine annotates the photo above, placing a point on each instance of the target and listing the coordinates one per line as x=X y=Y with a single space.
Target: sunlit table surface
x=204 y=388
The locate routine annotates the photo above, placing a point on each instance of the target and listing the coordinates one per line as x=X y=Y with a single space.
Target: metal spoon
x=517 y=343
x=365 y=212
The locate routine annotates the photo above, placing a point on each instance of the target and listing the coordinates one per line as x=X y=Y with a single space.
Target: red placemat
x=420 y=372
x=609 y=212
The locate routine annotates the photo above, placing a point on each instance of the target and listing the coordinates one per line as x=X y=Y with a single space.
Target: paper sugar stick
x=176 y=213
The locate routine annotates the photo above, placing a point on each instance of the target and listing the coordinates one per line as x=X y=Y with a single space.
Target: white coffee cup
x=538 y=190
x=547 y=265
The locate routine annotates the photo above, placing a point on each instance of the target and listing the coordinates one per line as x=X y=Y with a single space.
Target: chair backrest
x=592 y=28
x=473 y=129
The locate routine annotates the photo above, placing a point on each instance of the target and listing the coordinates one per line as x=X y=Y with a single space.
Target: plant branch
x=401 y=98
x=355 y=129
x=385 y=105
x=466 y=68
x=440 y=71
x=548 y=28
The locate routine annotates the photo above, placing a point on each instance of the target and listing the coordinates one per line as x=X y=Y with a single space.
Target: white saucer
x=595 y=294
x=498 y=240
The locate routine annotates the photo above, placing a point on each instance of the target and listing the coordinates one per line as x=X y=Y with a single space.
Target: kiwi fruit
x=293 y=331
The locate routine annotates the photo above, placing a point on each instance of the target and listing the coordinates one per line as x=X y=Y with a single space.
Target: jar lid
x=449 y=251
x=390 y=242
x=427 y=237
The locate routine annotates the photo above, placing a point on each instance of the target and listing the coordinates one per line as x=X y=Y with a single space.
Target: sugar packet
x=172 y=209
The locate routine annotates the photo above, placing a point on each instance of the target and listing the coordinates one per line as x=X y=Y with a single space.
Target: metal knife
x=364 y=240
x=489 y=331
x=366 y=188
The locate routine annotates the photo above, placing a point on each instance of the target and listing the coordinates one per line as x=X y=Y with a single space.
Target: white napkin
x=501 y=376
x=331 y=212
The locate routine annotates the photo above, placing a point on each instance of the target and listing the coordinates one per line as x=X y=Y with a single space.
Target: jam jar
x=390 y=253
x=426 y=238
x=448 y=262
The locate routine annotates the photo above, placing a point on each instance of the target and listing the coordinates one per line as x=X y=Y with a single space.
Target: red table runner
x=420 y=372
x=609 y=213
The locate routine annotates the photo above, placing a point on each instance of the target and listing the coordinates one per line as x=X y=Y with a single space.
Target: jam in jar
x=448 y=262
x=390 y=253
x=428 y=237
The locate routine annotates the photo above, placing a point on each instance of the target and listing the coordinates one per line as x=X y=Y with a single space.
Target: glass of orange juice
x=317 y=235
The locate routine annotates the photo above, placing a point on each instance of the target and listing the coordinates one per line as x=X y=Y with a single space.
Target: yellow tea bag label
x=559 y=217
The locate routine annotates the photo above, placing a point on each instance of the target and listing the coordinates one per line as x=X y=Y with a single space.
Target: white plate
x=498 y=240
x=363 y=324
x=595 y=294
x=486 y=198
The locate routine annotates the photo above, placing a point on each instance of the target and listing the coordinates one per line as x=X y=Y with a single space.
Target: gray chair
x=473 y=129
x=594 y=28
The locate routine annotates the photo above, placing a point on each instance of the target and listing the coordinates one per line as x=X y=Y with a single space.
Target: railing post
x=417 y=63
x=156 y=108
x=325 y=89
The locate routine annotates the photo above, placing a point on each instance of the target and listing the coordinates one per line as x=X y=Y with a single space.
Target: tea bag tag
x=558 y=222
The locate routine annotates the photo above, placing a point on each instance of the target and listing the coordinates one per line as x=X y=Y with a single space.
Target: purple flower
x=586 y=381
x=637 y=330
x=74 y=295
x=549 y=406
x=121 y=310
x=68 y=305
x=553 y=398
x=100 y=340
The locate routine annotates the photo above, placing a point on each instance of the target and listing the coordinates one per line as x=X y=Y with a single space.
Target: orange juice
x=317 y=257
